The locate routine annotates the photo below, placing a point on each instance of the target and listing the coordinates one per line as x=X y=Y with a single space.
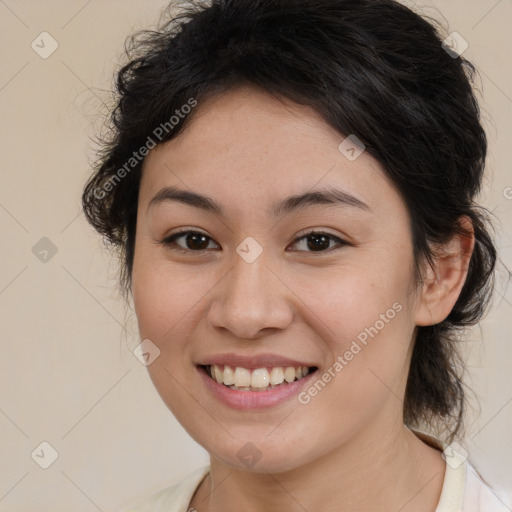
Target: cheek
x=165 y=296
x=364 y=315
x=353 y=299
x=168 y=307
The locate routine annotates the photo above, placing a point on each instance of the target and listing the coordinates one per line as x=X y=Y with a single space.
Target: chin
x=246 y=453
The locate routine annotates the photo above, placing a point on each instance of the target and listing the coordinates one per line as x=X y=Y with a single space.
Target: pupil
x=321 y=242
x=197 y=238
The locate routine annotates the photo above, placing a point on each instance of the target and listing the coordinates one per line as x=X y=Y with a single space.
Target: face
x=238 y=280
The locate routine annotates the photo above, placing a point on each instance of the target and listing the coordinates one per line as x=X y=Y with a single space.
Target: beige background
x=68 y=376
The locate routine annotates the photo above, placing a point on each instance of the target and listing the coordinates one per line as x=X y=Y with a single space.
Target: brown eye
x=192 y=241
x=319 y=242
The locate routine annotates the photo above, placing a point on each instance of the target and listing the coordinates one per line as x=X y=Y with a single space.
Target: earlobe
x=442 y=285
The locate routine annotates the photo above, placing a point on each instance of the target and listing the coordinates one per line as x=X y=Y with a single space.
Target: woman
x=291 y=187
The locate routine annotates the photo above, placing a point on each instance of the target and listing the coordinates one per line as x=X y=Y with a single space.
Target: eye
x=193 y=241
x=319 y=241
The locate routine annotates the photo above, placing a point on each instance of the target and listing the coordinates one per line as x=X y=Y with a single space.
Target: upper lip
x=256 y=361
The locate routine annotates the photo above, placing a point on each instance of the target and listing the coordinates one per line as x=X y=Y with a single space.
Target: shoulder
x=464 y=489
x=175 y=498
x=478 y=496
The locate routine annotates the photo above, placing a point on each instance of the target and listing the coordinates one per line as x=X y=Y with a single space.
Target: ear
x=440 y=290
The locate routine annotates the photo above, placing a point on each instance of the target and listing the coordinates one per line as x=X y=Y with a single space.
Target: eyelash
x=169 y=241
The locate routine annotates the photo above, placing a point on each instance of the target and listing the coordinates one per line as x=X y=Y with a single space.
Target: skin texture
x=347 y=449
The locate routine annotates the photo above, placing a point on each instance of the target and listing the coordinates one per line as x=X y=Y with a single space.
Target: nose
x=251 y=301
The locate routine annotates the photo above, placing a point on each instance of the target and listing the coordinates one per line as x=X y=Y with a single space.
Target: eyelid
x=183 y=231
x=316 y=231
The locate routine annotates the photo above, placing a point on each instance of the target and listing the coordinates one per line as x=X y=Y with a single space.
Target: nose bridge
x=250 y=300
x=249 y=281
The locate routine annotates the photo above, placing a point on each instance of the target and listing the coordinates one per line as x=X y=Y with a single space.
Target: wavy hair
x=373 y=68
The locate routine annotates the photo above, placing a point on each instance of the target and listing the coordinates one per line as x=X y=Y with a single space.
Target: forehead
x=248 y=147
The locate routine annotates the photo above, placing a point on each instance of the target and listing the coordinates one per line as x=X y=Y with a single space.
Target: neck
x=402 y=473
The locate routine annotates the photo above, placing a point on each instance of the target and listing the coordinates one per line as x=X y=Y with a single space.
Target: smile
x=256 y=379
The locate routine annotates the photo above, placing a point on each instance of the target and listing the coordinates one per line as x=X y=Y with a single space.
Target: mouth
x=256 y=379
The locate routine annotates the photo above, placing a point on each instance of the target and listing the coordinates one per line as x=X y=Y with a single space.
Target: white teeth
x=276 y=375
x=260 y=378
x=218 y=374
x=289 y=374
x=229 y=375
x=257 y=379
x=242 y=377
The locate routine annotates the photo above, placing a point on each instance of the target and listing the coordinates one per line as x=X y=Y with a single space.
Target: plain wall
x=67 y=373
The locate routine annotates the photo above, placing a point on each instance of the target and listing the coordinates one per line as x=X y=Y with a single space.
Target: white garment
x=463 y=489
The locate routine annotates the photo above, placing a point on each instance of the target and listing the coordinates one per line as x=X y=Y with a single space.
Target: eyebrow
x=327 y=196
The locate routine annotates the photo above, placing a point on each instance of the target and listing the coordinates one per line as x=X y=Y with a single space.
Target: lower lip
x=253 y=399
